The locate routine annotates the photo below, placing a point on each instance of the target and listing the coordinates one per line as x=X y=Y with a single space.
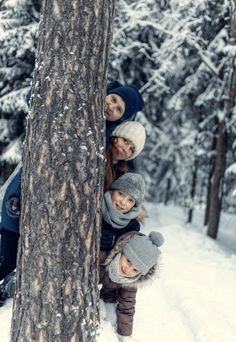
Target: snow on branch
x=205 y=60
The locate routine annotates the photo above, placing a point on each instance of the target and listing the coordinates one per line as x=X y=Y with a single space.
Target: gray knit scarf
x=113 y=272
x=114 y=217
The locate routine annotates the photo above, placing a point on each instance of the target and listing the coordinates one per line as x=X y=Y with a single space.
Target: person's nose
x=123 y=201
x=111 y=105
x=126 y=148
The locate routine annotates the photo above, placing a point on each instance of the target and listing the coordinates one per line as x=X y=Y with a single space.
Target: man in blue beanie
x=121 y=104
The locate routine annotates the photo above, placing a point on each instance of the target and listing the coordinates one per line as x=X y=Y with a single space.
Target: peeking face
x=122 y=201
x=114 y=107
x=127 y=268
x=124 y=149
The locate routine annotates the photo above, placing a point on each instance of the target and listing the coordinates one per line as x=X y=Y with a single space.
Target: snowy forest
x=181 y=54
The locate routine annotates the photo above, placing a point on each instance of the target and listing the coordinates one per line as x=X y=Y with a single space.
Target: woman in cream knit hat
x=126 y=143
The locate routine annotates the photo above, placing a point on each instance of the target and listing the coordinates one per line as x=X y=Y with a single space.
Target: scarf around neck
x=114 y=217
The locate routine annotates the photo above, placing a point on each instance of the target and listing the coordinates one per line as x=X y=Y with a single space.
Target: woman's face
x=114 y=107
x=122 y=201
x=124 y=149
x=127 y=268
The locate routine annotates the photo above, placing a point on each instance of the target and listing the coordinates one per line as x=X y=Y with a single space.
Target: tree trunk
x=193 y=190
x=220 y=161
x=210 y=175
x=167 y=193
x=217 y=180
x=57 y=272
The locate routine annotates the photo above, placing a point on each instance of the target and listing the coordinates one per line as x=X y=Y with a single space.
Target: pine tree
x=57 y=270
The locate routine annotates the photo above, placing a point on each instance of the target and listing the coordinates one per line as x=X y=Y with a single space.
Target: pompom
x=156 y=238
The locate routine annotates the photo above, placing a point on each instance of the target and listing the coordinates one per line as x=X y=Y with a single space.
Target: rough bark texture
x=62 y=179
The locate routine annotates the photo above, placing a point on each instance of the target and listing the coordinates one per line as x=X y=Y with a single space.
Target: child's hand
x=107 y=240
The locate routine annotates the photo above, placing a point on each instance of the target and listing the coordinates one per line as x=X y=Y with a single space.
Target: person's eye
x=131 y=200
x=125 y=141
x=113 y=99
x=120 y=193
x=118 y=109
x=132 y=149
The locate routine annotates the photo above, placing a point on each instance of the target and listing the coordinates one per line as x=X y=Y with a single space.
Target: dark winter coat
x=109 y=235
x=122 y=294
x=11 y=205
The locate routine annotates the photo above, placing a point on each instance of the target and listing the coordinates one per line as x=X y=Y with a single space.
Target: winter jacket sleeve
x=125 y=310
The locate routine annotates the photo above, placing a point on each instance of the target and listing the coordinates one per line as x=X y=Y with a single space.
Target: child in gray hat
x=132 y=262
x=120 y=208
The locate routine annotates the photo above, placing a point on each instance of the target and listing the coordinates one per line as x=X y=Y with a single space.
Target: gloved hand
x=13 y=207
x=107 y=240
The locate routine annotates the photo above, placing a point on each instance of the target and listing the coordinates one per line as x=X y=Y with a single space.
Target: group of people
x=127 y=256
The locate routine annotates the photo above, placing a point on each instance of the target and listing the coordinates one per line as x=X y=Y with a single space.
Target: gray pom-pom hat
x=143 y=251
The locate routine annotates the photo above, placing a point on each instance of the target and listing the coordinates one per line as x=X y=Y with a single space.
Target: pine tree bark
x=57 y=272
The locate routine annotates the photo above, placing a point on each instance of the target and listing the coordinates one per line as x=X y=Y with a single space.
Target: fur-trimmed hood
x=143 y=279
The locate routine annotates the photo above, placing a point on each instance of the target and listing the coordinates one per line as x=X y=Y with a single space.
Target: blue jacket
x=11 y=205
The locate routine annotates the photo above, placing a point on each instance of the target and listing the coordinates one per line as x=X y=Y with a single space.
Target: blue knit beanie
x=132 y=98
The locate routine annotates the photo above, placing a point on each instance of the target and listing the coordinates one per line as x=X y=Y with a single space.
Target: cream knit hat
x=134 y=132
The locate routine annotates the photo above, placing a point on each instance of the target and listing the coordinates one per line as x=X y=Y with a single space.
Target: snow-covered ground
x=194 y=298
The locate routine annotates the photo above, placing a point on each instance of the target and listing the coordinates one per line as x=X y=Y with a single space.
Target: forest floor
x=193 y=299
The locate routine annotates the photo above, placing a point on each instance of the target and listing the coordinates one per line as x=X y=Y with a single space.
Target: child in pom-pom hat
x=131 y=263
